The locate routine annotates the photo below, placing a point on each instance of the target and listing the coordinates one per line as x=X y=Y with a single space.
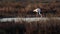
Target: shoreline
x=28 y=19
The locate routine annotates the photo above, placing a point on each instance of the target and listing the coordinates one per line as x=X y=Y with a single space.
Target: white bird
x=38 y=11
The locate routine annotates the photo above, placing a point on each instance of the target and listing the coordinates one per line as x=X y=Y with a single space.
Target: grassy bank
x=51 y=26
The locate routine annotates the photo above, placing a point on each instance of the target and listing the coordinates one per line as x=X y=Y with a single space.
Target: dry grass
x=44 y=27
x=51 y=26
x=22 y=8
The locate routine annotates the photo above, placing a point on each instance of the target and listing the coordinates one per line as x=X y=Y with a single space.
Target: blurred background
x=21 y=8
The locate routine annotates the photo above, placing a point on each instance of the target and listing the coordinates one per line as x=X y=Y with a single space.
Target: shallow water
x=27 y=19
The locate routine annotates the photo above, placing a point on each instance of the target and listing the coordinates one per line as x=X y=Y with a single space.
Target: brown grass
x=26 y=6
x=43 y=27
x=51 y=26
